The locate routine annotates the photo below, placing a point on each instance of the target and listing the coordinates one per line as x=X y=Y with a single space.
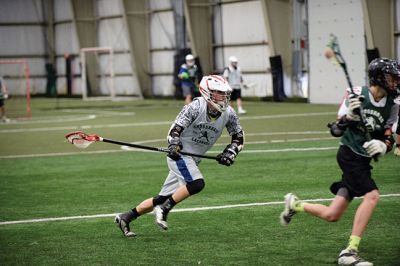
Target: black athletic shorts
x=1 y=102
x=356 y=175
x=236 y=94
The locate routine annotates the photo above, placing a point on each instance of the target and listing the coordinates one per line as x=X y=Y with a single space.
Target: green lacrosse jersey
x=354 y=137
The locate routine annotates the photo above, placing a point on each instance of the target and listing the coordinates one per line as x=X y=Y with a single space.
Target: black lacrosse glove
x=174 y=148
x=227 y=157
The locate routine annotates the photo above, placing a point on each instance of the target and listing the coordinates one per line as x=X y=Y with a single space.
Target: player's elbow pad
x=238 y=141
x=175 y=132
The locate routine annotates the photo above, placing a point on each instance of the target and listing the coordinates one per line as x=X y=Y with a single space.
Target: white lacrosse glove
x=354 y=104
x=397 y=151
x=5 y=96
x=375 y=147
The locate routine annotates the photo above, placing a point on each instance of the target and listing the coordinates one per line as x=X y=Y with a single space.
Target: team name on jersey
x=375 y=114
x=205 y=126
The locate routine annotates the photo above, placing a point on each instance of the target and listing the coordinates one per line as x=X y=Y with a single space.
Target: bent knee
x=195 y=186
x=332 y=217
x=372 y=196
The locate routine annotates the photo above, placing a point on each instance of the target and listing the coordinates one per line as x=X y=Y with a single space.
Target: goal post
x=16 y=76
x=103 y=72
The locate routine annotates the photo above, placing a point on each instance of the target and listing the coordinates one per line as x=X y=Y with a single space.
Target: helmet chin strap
x=212 y=112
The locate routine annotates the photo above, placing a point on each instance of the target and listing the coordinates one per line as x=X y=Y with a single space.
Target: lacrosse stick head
x=81 y=140
x=332 y=50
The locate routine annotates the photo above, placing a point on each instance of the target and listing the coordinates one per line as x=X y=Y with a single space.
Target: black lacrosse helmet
x=385 y=73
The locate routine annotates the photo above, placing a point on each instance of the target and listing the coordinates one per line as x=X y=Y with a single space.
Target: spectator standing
x=233 y=74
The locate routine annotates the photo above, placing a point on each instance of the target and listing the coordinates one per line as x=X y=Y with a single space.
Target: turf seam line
x=255 y=204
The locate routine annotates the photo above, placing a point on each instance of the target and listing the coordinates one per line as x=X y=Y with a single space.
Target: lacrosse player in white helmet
x=196 y=129
x=189 y=74
x=233 y=74
x=355 y=153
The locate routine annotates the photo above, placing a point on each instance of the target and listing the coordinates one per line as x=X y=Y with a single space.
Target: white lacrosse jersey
x=200 y=131
x=234 y=77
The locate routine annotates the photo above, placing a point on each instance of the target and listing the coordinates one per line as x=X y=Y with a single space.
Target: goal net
x=15 y=77
x=97 y=73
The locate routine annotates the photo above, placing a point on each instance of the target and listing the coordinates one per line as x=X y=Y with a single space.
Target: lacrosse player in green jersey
x=355 y=153
x=196 y=129
x=397 y=149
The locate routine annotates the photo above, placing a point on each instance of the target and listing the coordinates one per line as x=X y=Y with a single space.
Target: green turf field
x=288 y=149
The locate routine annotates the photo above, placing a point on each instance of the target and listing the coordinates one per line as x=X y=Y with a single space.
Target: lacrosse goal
x=97 y=73
x=16 y=78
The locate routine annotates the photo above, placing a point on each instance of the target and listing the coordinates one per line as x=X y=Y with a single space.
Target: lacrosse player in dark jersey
x=196 y=129
x=397 y=149
x=354 y=155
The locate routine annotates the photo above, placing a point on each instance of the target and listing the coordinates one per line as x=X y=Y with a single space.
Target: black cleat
x=124 y=226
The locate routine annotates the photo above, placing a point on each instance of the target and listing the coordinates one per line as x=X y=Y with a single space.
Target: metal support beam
x=199 y=26
x=379 y=16
x=179 y=22
x=278 y=24
x=85 y=23
x=50 y=32
x=136 y=17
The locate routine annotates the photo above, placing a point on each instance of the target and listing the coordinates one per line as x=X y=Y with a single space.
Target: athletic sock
x=168 y=204
x=354 y=242
x=299 y=206
x=130 y=215
x=135 y=213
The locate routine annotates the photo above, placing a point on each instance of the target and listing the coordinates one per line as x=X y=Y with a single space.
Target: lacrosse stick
x=82 y=141
x=251 y=85
x=332 y=52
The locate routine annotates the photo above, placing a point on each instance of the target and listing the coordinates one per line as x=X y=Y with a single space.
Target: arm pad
x=174 y=133
x=237 y=142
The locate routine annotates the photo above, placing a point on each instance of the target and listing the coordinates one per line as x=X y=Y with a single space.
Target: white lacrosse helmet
x=189 y=59
x=216 y=91
x=233 y=59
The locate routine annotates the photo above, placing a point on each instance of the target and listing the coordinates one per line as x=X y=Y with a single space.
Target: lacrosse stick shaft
x=154 y=148
x=335 y=48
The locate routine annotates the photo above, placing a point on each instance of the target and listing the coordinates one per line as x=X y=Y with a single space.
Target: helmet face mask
x=220 y=100
x=393 y=84
x=216 y=91
x=385 y=73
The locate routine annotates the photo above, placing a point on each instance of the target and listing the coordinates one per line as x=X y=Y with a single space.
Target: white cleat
x=4 y=119
x=124 y=226
x=397 y=151
x=242 y=111
x=350 y=257
x=161 y=217
x=288 y=211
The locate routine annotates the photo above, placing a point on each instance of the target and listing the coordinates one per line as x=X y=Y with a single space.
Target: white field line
x=23 y=130
x=85 y=115
x=56 y=154
x=285 y=115
x=125 y=149
x=244 y=205
x=71 y=128
x=54 y=119
x=97 y=111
